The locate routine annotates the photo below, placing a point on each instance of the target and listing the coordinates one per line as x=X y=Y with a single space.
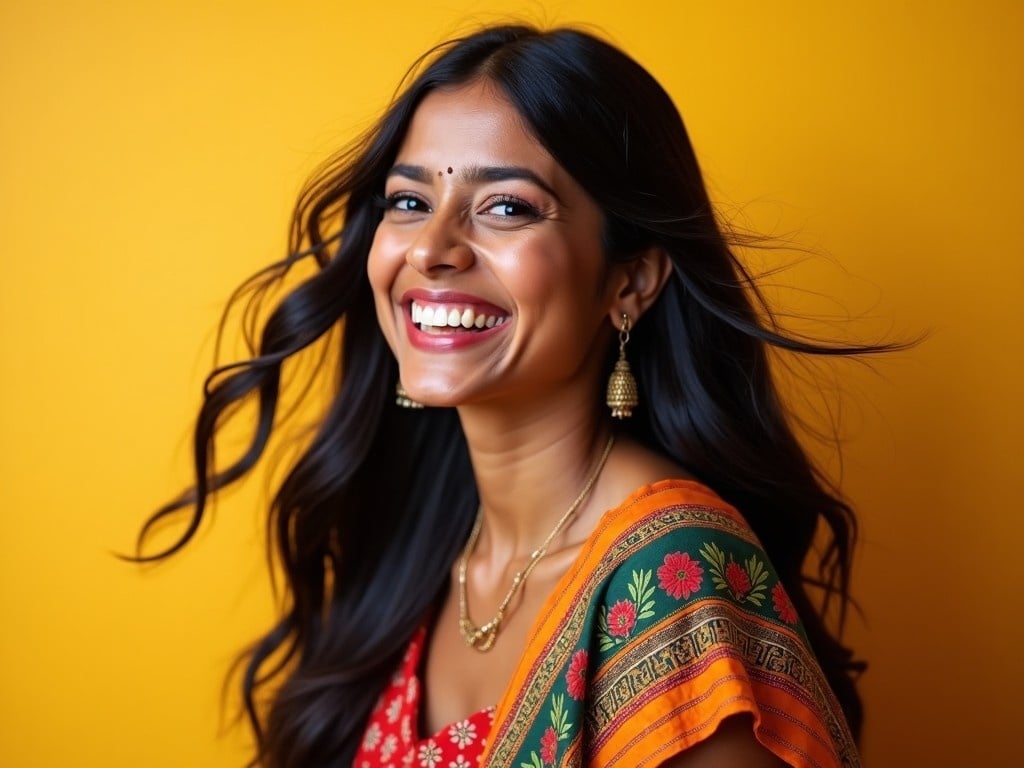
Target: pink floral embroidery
x=621 y=618
x=372 y=737
x=462 y=733
x=783 y=605
x=430 y=754
x=739 y=581
x=680 y=576
x=389 y=746
x=548 y=746
x=411 y=690
x=576 y=677
x=394 y=709
x=747 y=583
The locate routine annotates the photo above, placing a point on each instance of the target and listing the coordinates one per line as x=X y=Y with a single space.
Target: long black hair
x=365 y=530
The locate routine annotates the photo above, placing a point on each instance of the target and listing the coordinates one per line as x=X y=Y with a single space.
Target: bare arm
x=733 y=745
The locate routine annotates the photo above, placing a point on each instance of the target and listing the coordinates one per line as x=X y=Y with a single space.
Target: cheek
x=382 y=265
x=381 y=268
x=557 y=277
x=375 y=264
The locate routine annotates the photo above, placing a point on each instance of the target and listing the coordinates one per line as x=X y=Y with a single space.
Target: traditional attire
x=670 y=620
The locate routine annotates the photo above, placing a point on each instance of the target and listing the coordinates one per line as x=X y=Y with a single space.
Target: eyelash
x=390 y=203
x=527 y=210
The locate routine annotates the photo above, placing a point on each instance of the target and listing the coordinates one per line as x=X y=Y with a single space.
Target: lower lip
x=444 y=341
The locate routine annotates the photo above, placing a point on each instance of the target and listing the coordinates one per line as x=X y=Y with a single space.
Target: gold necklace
x=482 y=638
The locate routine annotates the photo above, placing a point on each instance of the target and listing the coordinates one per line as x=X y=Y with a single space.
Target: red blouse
x=391 y=739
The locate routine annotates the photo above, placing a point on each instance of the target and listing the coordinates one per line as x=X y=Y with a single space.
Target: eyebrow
x=476 y=174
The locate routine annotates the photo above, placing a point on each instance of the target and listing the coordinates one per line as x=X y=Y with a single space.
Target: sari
x=669 y=621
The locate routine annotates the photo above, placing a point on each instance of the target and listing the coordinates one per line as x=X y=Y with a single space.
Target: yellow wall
x=149 y=154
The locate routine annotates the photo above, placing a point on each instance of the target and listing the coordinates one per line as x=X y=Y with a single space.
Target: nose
x=440 y=246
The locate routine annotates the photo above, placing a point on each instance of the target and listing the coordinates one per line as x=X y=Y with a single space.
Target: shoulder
x=671 y=515
x=694 y=501
x=685 y=573
x=669 y=631
x=680 y=556
x=690 y=618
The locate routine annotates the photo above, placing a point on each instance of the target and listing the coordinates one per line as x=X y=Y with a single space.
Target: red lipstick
x=446 y=338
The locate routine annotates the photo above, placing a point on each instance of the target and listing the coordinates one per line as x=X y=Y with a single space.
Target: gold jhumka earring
x=622 y=392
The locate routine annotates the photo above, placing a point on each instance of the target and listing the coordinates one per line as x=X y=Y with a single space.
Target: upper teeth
x=440 y=316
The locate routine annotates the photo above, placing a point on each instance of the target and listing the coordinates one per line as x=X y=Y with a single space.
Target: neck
x=530 y=464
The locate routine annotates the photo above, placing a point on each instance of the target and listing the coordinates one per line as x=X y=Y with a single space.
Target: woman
x=513 y=574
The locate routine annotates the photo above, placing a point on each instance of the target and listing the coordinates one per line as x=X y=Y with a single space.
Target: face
x=487 y=269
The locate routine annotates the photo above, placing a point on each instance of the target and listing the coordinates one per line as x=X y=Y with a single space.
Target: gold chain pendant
x=483 y=638
x=480 y=638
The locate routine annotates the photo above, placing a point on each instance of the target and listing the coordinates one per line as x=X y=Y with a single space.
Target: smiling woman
x=524 y=228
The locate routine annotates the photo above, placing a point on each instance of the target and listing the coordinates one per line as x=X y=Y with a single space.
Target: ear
x=638 y=283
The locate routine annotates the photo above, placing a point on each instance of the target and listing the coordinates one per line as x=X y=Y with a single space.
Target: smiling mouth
x=446 y=318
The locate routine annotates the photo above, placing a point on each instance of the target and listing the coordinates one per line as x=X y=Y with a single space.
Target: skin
x=530 y=393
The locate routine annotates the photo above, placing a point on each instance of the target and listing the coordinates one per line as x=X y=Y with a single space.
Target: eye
x=405 y=203
x=510 y=207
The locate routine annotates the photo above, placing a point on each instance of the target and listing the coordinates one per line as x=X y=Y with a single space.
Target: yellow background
x=149 y=156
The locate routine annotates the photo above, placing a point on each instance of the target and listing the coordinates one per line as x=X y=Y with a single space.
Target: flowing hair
x=366 y=528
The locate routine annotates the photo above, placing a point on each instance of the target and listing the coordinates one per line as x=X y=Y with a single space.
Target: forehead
x=472 y=124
